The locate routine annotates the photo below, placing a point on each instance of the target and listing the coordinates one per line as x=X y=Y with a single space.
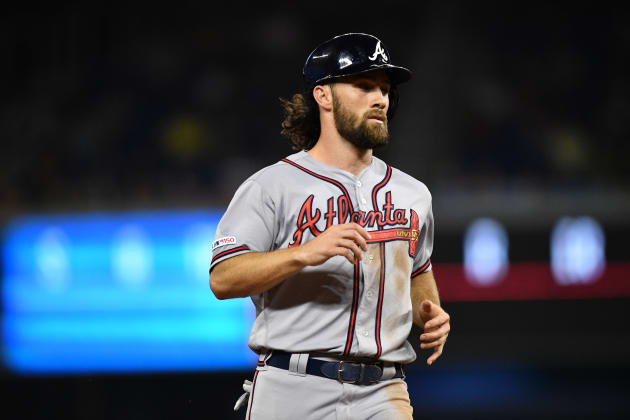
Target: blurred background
x=127 y=128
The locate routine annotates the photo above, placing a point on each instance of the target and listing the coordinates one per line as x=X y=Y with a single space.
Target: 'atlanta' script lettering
x=338 y=210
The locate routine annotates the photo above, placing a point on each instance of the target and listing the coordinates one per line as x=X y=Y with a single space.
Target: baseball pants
x=279 y=394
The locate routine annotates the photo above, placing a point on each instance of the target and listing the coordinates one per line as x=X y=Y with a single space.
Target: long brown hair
x=301 y=124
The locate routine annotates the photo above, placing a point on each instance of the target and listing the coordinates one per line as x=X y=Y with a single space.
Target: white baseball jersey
x=358 y=310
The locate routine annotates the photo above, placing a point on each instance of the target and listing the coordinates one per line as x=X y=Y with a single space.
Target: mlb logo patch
x=227 y=240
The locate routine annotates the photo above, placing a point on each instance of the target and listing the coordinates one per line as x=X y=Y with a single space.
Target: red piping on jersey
x=380 y=185
x=379 y=307
x=421 y=269
x=323 y=178
x=353 y=313
x=251 y=396
x=379 y=236
x=261 y=363
x=229 y=251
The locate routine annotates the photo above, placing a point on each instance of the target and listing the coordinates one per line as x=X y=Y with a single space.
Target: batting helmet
x=350 y=54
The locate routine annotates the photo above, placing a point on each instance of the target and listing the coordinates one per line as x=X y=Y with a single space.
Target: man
x=333 y=246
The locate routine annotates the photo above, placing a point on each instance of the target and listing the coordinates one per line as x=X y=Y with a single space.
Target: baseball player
x=333 y=246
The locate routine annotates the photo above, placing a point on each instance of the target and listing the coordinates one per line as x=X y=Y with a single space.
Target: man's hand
x=232 y=277
x=346 y=240
x=437 y=325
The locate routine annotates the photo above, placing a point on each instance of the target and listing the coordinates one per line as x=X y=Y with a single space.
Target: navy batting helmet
x=350 y=54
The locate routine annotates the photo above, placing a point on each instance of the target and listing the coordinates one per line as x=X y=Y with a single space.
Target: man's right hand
x=347 y=240
x=234 y=277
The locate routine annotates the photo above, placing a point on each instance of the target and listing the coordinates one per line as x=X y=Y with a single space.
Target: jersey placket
x=364 y=332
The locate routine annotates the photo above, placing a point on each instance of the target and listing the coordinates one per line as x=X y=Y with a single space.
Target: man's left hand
x=437 y=325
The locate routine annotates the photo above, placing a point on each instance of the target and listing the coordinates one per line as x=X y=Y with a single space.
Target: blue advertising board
x=117 y=292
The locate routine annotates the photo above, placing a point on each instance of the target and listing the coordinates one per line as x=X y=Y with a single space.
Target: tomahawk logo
x=378 y=51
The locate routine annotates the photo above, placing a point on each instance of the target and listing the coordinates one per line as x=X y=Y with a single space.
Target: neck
x=334 y=150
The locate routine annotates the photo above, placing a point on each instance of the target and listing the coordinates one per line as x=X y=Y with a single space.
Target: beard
x=362 y=133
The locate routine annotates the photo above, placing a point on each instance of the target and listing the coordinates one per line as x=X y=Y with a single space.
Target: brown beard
x=361 y=134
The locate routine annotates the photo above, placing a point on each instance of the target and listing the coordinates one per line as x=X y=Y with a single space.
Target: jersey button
x=370 y=293
x=365 y=333
x=358 y=183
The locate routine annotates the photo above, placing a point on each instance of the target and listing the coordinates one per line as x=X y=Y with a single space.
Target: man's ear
x=323 y=96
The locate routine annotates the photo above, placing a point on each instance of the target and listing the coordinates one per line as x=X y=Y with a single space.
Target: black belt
x=343 y=371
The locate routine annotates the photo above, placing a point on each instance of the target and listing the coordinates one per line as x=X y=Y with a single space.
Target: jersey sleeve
x=247 y=225
x=422 y=261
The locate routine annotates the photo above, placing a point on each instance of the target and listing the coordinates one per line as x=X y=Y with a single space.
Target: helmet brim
x=396 y=74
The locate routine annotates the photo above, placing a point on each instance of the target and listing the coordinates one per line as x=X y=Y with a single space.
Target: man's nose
x=380 y=100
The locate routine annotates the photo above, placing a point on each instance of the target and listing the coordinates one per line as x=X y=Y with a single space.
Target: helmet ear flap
x=393 y=103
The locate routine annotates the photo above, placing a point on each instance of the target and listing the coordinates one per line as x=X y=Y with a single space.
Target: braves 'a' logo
x=379 y=51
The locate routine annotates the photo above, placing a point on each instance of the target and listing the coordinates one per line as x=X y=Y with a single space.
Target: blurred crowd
x=123 y=108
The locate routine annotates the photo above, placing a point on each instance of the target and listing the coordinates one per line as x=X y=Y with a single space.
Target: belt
x=343 y=371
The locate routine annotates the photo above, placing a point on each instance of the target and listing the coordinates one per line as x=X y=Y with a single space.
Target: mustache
x=375 y=114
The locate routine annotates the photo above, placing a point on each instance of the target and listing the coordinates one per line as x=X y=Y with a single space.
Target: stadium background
x=517 y=112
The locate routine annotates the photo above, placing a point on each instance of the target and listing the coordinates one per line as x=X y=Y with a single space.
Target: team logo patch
x=226 y=240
